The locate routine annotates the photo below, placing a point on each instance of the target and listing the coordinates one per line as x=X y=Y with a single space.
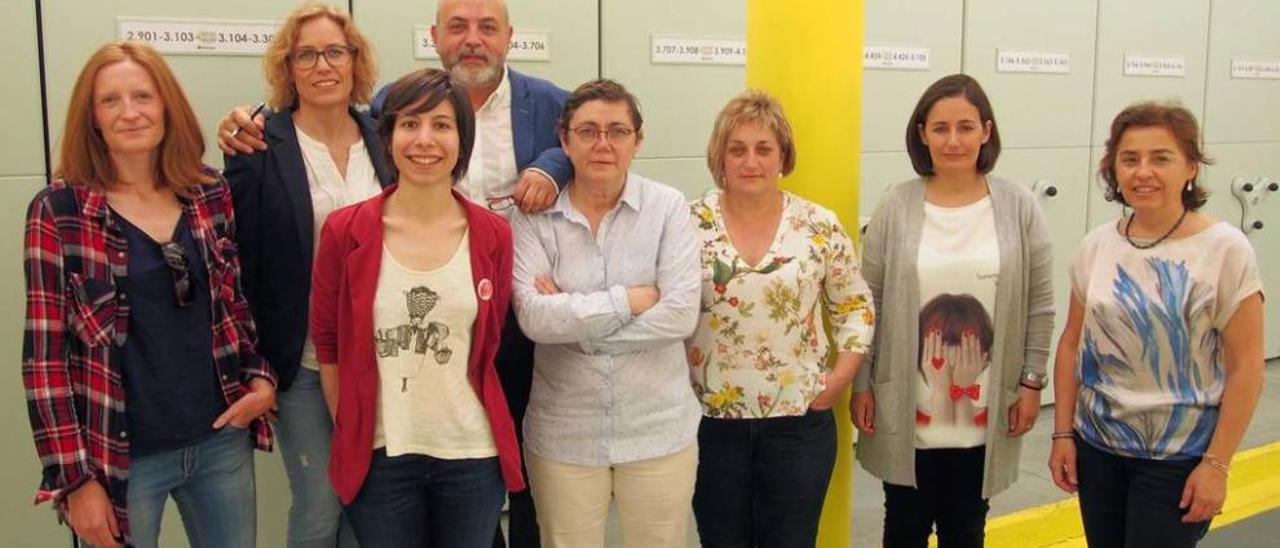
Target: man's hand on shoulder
x=239 y=131
x=535 y=191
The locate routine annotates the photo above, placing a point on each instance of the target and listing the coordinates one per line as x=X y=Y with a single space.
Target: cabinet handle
x=1044 y=188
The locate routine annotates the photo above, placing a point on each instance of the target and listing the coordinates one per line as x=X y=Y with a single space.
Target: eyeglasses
x=616 y=135
x=176 y=258
x=499 y=203
x=336 y=56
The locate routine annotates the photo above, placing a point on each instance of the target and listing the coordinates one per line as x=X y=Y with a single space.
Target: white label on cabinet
x=1155 y=65
x=1051 y=62
x=198 y=37
x=674 y=50
x=526 y=45
x=1263 y=69
x=895 y=57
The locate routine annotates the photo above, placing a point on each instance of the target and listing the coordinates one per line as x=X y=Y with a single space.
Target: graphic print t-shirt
x=422 y=336
x=958 y=265
x=1150 y=361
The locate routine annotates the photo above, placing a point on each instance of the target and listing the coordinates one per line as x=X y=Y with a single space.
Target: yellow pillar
x=809 y=55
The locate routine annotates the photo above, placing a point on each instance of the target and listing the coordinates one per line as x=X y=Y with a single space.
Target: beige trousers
x=654 y=497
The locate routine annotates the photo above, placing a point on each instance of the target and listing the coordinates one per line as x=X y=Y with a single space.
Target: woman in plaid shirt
x=138 y=356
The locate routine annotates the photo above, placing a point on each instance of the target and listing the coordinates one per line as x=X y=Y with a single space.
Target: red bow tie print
x=973 y=391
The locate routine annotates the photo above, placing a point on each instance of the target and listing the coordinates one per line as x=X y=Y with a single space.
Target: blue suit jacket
x=275 y=233
x=536 y=105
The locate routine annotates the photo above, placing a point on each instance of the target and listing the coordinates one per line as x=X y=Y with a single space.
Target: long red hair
x=83 y=155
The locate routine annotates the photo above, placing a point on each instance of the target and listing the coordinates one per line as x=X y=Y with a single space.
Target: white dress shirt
x=492 y=169
x=609 y=387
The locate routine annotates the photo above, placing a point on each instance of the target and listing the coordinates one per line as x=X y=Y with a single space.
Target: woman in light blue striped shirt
x=607 y=286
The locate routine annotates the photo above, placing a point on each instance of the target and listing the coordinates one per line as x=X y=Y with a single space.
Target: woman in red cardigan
x=410 y=293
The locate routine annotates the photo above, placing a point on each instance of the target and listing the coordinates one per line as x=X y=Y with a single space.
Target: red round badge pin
x=485 y=289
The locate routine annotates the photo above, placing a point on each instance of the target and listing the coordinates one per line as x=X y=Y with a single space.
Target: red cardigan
x=344 y=282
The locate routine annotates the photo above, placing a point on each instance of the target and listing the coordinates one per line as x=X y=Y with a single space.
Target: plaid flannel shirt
x=77 y=321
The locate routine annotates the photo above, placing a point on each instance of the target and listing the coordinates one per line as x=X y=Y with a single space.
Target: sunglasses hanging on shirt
x=176 y=258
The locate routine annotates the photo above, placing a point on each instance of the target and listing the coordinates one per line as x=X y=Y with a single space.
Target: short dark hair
x=1171 y=116
x=418 y=92
x=955 y=85
x=602 y=89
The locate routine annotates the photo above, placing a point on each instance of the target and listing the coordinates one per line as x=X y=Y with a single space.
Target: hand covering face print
x=955 y=348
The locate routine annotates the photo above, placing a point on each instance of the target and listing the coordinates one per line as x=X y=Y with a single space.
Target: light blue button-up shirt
x=609 y=387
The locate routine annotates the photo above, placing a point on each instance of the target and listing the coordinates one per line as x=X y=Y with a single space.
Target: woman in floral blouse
x=772 y=262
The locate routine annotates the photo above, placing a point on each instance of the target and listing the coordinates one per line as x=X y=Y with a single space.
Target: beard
x=487 y=75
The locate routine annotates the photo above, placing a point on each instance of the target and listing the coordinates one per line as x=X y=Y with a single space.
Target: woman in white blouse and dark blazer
x=322 y=155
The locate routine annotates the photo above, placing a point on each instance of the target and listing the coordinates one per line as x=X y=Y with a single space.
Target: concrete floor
x=1260 y=530
x=1035 y=488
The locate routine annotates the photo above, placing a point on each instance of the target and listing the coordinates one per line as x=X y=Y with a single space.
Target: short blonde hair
x=275 y=62
x=83 y=157
x=752 y=106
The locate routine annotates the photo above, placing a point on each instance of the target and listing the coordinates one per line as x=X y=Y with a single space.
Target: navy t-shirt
x=171 y=386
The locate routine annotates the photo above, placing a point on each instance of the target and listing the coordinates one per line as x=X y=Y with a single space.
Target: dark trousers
x=514 y=363
x=761 y=482
x=948 y=493
x=417 y=501
x=1132 y=502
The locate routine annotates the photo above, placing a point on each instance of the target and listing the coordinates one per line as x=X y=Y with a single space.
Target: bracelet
x=1212 y=460
x=1026 y=384
x=1063 y=435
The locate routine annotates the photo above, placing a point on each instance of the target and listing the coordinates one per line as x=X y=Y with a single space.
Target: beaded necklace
x=1129 y=225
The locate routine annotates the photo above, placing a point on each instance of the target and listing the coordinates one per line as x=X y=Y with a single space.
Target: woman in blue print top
x=1160 y=364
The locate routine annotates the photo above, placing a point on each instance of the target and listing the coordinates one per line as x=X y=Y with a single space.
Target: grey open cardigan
x=1023 y=326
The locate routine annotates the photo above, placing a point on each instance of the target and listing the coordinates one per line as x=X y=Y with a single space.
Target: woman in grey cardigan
x=962 y=337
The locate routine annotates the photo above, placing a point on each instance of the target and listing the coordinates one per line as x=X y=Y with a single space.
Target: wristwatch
x=1032 y=380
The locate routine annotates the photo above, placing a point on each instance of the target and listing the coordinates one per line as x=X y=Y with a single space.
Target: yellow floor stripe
x=1254 y=487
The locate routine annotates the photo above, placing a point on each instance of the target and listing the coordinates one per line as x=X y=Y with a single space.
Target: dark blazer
x=536 y=106
x=275 y=230
x=346 y=281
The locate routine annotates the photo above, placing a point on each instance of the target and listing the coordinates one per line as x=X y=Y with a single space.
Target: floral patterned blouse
x=760 y=349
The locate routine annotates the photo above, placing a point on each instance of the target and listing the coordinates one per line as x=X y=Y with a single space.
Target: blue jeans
x=304 y=430
x=421 y=501
x=212 y=482
x=761 y=482
x=1132 y=502
x=948 y=493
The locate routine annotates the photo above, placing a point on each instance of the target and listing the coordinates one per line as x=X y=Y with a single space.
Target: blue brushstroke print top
x=1150 y=361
